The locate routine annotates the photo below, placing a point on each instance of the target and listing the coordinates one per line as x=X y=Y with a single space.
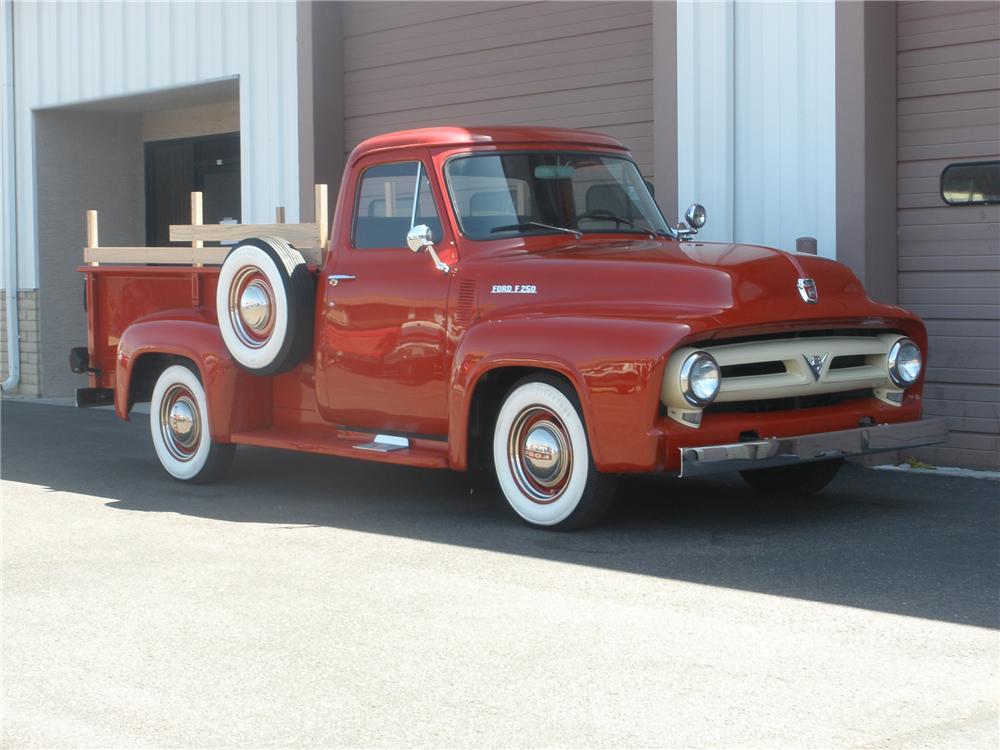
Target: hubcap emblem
x=542 y=454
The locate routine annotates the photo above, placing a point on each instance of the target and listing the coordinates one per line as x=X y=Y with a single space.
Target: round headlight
x=905 y=363
x=699 y=379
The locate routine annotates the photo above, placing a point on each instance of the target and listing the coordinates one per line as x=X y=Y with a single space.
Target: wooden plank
x=92 y=238
x=306 y=235
x=165 y=255
x=197 y=215
x=322 y=209
x=173 y=256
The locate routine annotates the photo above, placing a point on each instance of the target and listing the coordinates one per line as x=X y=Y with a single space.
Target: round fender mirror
x=419 y=238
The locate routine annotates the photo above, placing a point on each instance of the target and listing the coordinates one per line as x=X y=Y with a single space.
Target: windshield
x=549 y=192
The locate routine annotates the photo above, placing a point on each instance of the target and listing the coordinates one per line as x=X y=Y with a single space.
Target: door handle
x=335 y=278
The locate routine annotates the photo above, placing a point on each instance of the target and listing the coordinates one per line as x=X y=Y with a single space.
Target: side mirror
x=421 y=238
x=695 y=216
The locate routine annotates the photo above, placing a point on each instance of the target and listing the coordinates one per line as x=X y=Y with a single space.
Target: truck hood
x=736 y=285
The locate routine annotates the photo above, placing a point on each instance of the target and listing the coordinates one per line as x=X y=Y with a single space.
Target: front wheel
x=542 y=457
x=798 y=479
x=178 y=421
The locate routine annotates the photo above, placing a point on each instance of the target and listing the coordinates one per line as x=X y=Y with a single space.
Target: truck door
x=382 y=355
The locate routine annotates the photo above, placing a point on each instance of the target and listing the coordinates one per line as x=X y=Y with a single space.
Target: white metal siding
x=948 y=110
x=582 y=65
x=70 y=52
x=756 y=120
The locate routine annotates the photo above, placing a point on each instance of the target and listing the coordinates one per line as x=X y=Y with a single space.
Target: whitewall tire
x=542 y=458
x=265 y=305
x=181 y=431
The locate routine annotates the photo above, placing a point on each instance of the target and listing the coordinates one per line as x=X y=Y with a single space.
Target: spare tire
x=265 y=304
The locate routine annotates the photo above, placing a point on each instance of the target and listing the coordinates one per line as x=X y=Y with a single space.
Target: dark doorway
x=177 y=167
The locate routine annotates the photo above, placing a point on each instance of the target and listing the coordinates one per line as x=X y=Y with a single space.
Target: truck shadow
x=906 y=544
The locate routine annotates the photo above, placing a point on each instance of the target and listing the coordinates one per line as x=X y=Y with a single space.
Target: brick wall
x=27 y=314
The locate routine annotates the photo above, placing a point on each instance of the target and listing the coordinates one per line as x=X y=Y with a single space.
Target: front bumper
x=762 y=454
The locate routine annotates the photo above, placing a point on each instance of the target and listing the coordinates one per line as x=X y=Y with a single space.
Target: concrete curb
x=943 y=471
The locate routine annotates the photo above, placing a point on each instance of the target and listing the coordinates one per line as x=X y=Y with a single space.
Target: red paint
x=402 y=347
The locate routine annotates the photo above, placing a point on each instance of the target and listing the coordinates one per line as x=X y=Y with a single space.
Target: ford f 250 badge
x=514 y=289
x=808 y=291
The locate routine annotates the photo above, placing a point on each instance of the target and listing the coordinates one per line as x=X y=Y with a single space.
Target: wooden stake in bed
x=92 y=238
x=322 y=219
x=196 y=220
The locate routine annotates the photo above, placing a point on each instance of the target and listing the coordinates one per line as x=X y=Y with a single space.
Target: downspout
x=10 y=208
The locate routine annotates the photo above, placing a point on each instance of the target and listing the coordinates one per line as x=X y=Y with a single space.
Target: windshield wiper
x=601 y=213
x=529 y=224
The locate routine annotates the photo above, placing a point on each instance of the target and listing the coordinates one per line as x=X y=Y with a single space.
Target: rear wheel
x=542 y=457
x=178 y=421
x=799 y=479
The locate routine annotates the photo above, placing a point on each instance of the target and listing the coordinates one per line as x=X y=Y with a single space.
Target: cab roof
x=478 y=136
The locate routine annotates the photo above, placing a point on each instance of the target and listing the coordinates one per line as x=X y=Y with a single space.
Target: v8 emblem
x=815 y=362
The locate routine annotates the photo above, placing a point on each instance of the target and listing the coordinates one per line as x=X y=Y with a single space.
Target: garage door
x=582 y=65
x=948 y=111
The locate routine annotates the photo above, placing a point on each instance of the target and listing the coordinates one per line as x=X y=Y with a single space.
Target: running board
x=431 y=454
x=385 y=444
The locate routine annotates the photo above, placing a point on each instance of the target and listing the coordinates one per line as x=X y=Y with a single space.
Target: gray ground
x=323 y=602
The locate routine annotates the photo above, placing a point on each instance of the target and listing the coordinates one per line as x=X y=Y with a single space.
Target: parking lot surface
x=312 y=601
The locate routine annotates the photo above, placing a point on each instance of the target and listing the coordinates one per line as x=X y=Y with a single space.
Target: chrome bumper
x=761 y=454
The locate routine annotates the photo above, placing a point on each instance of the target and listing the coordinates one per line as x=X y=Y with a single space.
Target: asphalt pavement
x=318 y=602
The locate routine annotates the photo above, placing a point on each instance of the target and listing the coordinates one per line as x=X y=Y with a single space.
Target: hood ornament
x=808 y=291
x=815 y=362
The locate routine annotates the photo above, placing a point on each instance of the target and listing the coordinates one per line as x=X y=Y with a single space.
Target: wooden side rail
x=304 y=235
x=180 y=256
x=309 y=238
x=175 y=256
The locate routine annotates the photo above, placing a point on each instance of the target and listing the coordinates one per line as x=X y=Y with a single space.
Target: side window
x=974 y=183
x=391 y=199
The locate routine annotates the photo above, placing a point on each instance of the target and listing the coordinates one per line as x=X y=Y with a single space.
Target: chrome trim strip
x=761 y=454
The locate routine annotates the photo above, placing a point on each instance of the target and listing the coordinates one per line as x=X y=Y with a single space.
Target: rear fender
x=237 y=400
x=615 y=365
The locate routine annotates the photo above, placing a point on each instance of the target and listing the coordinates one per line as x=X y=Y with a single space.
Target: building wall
x=85 y=160
x=582 y=65
x=28 y=345
x=948 y=110
x=191 y=122
x=68 y=53
x=865 y=91
x=756 y=137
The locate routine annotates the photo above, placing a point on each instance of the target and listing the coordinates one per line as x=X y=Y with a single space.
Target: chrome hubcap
x=251 y=307
x=180 y=422
x=255 y=306
x=543 y=454
x=540 y=454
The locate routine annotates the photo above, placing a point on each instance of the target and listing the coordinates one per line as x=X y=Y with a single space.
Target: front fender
x=237 y=400
x=614 y=364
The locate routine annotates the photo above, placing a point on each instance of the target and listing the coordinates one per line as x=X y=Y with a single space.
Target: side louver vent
x=465 y=310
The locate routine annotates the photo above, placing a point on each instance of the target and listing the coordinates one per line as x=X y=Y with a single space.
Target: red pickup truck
x=510 y=298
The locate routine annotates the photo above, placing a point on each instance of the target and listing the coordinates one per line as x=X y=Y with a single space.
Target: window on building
x=176 y=168
x=971 y=183
x=390 y=203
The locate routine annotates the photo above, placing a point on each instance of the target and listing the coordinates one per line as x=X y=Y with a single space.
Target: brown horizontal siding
x=583 y=65
x=948 y=110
